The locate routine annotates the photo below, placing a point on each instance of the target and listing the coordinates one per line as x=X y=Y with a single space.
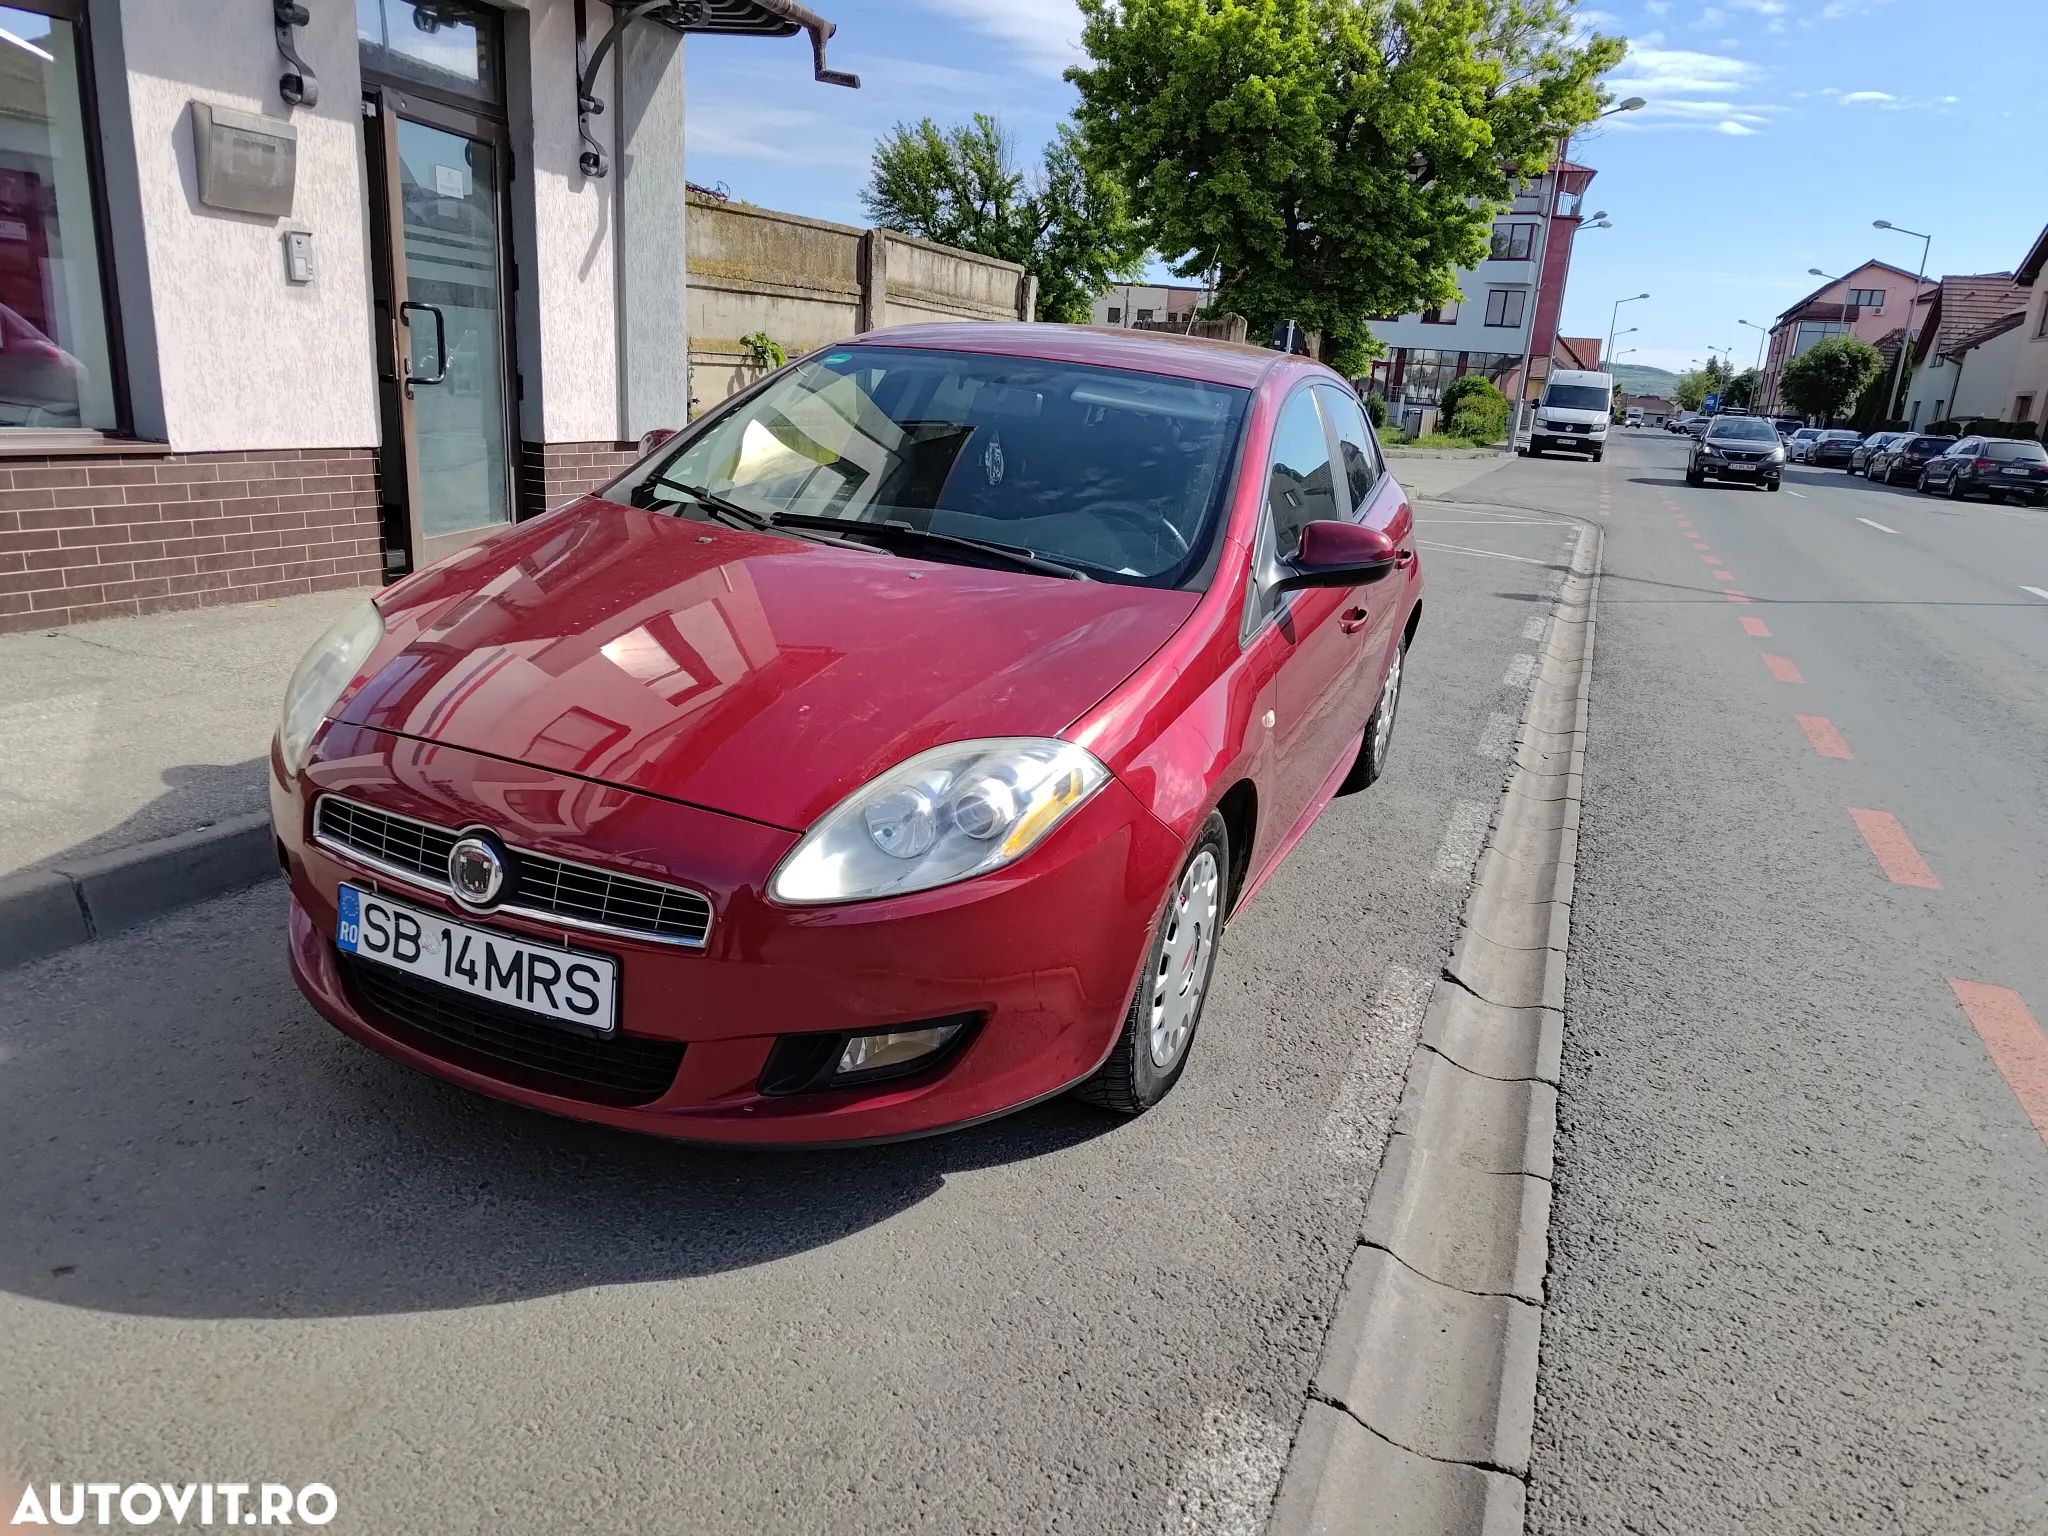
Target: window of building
x=2042 y=328
x=1443 y=314
x=1504 y=305
x=1811 y=333
x=2023 y=408
x=55 y=354
x=1301 y=489
x=1512 y=242
x=1116 y=314
x=1867 y=298
x=449 y=45
x=1144 y=314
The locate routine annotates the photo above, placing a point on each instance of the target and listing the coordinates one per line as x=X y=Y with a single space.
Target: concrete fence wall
x=804 y=283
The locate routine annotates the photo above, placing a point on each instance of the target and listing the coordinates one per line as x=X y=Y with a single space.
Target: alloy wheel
x=1390 y=700
x=1184 y=958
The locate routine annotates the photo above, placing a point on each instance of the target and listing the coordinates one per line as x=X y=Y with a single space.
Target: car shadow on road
x=184 y=1137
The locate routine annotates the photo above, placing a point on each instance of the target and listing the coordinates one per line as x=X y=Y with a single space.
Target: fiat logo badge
x=476 y=871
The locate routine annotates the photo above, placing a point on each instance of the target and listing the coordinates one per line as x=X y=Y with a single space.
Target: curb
x=1422 y=1412
x=43 y=911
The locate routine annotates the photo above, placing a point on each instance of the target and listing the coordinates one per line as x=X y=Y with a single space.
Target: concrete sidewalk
x=132 y=762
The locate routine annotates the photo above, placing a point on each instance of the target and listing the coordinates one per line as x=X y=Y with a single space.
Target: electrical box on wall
x=298 y=255
x=247 y=162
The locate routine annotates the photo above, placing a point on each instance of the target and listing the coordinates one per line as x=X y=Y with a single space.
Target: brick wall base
x=89 y=538
x=552 y=473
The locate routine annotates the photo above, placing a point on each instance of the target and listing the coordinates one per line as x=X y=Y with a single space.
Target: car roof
x=1106 y=346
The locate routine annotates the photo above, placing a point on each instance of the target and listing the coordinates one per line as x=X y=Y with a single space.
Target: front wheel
x=1692 y=477
x=1771 y=486
x=1159 y=1027
x=1371 y=760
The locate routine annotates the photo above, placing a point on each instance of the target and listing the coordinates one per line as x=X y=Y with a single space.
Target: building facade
x=297 y=306
x=1868 y=303
x=2026 y=387
x=1132 y=304
x=1508 y=309
x=1960 y=321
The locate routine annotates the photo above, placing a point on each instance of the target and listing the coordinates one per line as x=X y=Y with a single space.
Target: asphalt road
x=1799 y=1254
x=238 y=1245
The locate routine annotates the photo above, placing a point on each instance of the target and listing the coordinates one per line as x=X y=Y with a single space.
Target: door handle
x=1403 y=558
x=1352 y=620
x=440 y=342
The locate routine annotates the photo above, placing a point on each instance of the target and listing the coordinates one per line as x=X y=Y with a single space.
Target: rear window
x=1843 y=437
x=1930 y=442
x=2015 y=453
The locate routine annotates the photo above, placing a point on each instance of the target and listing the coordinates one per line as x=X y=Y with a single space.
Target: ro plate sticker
x=350 y=927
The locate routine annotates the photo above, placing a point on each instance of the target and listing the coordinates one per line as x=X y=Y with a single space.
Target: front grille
x=511 y=1043
x=539 y=886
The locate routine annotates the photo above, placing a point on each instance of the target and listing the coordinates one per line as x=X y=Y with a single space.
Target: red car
x=882 y=753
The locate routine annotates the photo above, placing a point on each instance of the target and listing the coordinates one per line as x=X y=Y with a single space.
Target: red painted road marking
x=1782 y=668
x=1893 y=850
x=2017 y=1045
x=1721 y=575
x=1756 y=627
x=1734 y=596
x=1710 y=559
x=1826 y=740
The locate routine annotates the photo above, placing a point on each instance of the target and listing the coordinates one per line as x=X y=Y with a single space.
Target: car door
x=1377 y=501
x=1943 y=469
x=1310 y=636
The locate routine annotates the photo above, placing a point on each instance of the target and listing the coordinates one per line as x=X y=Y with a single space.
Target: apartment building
x=1868 y=303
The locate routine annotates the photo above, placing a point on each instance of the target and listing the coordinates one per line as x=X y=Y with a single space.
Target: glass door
x=437 y=217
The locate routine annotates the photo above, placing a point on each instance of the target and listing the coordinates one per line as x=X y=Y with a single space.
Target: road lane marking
x=1491 y=554
x=1355 y=1129
x=2037 y=591
x=1463 y=839
x=1790 y=492
x=1710 y=559
x=1521 y=669
x=1823 y=737
x=1734 y=596
x=1893 y=850
x=1497 y=737
x=1722 y=575
x=2018 y=1047
x=1880 y=527
x=1782 y=668
x=1756 y=627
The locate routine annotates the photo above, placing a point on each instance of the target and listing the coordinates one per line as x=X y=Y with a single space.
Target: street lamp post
x=1763 y=336
x=1633 y=104
x=1614 y=316
x=1905 y=331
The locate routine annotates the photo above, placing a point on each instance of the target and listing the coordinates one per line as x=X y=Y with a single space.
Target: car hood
x=747 y=673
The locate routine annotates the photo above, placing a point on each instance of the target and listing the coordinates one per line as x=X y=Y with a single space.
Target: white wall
x=1985 y=387
x=243 y=360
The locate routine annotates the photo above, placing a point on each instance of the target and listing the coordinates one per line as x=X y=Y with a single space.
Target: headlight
x=945 y=815
x=323 y=672
x=1777 y=455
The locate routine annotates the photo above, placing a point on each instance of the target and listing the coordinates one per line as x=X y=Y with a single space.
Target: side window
x=1300 y=488
x=1967 y=448
x=1355 y=442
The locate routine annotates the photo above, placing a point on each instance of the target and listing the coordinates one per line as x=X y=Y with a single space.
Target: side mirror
x=653 y=439
x=1334 y=554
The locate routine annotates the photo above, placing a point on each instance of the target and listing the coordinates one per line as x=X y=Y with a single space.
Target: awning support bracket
x=299 y=86
x=792 y=18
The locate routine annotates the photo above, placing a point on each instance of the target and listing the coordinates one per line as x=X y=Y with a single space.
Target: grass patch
x=1439 y=440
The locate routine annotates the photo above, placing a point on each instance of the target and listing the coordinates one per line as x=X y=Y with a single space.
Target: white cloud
x=1867 y=96
x=1679 y=72
x=920 y=78
x=1885 y=101
x=1042 y=35
x=756 y=130
x=1656 y=7
x=1730 y=126
x=1758 y=7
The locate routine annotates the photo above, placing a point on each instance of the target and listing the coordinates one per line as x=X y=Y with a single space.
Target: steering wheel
x=1143 y=520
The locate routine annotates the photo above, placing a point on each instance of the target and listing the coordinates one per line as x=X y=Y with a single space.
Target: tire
x=1693 y=478
x=1954 y=489
x=1378 y=741
x=1535 y=452
x=1772 y=486
x=1132 y=1079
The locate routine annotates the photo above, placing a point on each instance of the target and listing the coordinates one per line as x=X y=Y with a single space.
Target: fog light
x=892 y=1051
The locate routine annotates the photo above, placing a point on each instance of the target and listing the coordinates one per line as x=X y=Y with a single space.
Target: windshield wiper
x=897 y=535
x=724 y=508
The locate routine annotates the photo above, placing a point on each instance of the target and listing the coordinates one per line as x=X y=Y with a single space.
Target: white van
x=1575 y=411
x=1634 y=418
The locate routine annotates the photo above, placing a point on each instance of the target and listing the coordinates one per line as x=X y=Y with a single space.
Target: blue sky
x=1776 y=131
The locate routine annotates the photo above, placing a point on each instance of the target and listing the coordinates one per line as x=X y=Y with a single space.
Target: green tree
x=1070 y=226
x=1694 y=386
x=1741 y=393
x=1331 y=159
x=1825 y=379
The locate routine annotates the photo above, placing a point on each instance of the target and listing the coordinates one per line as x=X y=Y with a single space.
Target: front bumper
x=1758 y=473
x=1043 y=955
x=1579 y=442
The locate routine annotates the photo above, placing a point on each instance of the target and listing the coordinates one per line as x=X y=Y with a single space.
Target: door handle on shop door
x=1352 y=620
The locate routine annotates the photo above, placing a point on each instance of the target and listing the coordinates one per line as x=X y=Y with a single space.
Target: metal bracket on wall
x=299 y=86
x=760 y=18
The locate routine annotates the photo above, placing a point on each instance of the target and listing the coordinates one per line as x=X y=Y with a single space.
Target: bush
x=1464 y=387
x=1985 y=426
x=1376 y=409
x=1480 y=420
x=1943 y=429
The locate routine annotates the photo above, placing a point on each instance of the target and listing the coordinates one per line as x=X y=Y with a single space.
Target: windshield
x=1924 y=444
x=1842 y=435
x=2016 y=453
x=1121 y=474
x=1744 y=429
x=1577 y=397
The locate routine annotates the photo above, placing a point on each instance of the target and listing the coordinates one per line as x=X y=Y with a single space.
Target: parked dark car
x=1832 y=448
x=1860 y=457
x=1904 y=459
x=1744 y=448
x=1993 y=467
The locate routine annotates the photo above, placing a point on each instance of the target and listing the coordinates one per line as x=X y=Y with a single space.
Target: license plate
x=1740 y=469
x=568 y=985
x=2020 y=472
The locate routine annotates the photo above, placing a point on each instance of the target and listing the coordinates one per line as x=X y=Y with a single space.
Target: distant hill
x=1642 y=379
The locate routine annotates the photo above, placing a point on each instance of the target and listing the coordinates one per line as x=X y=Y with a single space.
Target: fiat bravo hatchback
x=886 y=751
